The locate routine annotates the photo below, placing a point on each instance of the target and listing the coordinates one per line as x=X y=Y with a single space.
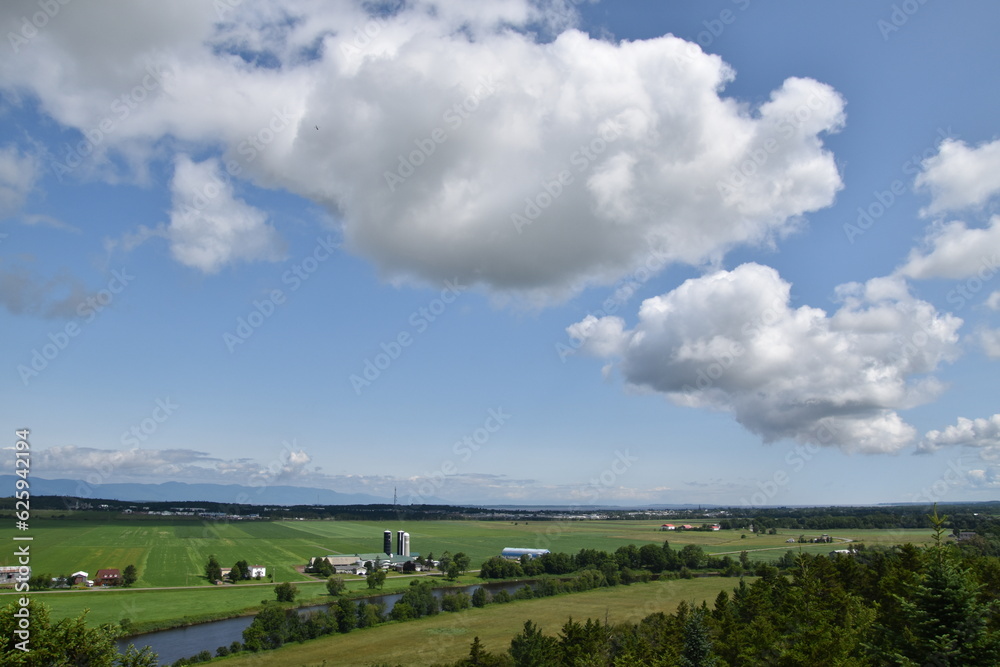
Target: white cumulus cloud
x=960 y=176
x=956 y=251
x=979 y=433
x=433 y=131
x=209 y=227
x=732 y=341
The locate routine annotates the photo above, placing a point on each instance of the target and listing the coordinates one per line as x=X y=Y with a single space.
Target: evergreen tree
x=213 y=571
x=947 y=624
x=697 y=642
x=531 y=648
x=129 y=576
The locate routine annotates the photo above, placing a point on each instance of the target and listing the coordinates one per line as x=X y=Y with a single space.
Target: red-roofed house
x=668 y=526
x=109 y=577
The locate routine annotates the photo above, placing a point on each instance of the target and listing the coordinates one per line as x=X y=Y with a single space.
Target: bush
x=481 y=597
x=502 y=596
x=286 y=592
x=456 y=601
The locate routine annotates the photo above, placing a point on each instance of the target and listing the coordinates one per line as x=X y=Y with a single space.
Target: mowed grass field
x=172 y=553
x=446 y=637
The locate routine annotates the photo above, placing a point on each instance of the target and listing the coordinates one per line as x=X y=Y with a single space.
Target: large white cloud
x=325 y=101
x=961 y=177
x=732 y=341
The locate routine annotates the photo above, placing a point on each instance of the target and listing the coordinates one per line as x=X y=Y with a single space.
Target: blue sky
x=724 y=252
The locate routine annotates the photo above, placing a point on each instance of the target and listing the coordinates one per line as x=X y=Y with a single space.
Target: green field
x=446 y=637
x=171 y=553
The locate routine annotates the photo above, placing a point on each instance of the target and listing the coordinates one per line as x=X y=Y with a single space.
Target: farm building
x=258 y=571
x=514 y=553
x=80 y=577
x=668 y=526
x=108 y=577
x=9 y=574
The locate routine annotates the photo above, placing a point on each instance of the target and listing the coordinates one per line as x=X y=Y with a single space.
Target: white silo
x=406 y=545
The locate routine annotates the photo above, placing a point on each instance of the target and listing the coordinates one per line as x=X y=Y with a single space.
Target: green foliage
x=531 y=648
x=347 y=615
x=129 y=575
x=213 y=571
x=500 y=568
x=335 y=585
x=480 y=597
x=462 y=561
x=370 y=613
x=455 y=601
x=420 y=600
x=65 y=642
x=286 y=592
x=697 y=651
x=375 y=578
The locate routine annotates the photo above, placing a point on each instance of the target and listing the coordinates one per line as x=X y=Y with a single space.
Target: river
x=188 y=641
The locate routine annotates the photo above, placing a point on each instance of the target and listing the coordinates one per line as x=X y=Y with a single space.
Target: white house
x=258 y=571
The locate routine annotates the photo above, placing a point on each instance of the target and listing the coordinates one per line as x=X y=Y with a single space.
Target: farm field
x=172 y=553
x=446 y=637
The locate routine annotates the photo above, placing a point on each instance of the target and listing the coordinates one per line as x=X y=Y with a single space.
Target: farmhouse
x=258 y=571
x=668 y=526
x=108 y=577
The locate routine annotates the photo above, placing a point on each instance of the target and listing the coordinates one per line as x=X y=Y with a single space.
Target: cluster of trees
x=887 y=606
x=66 y=642
x=626 y=564
x=239 y=572
x=275 y=626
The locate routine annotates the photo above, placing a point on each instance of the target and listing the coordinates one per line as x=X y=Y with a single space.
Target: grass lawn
x=446 y=637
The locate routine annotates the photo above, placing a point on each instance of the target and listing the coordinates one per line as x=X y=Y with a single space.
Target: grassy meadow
x=173 y=552
x=446 y=637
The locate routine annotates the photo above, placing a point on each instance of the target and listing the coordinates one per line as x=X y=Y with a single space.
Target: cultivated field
x=172 y=553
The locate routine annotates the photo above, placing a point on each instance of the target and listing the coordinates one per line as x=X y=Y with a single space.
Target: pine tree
x=531 y=648
x=697 y=641
x=946 y=624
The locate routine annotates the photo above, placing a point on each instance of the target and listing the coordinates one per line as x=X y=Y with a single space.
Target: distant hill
x=180 y=491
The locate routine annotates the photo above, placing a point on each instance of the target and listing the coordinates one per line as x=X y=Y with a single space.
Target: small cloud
x=18 y=175
x=981 y=433
x=209 y=226
x=955 y=251
x=960 y=177
x=989 y=339
x=23 y=293
x=36 y=220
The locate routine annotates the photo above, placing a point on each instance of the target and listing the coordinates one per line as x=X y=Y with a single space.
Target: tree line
x=938 y=606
